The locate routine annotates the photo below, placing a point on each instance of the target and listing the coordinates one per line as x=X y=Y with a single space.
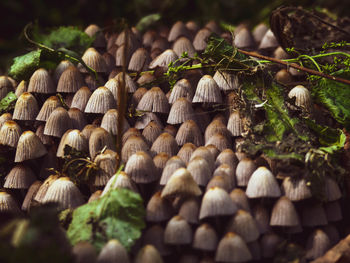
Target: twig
x=310 y=71
x=121 y=97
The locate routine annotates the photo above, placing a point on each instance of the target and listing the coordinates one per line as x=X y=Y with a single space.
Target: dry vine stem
x=310 y=71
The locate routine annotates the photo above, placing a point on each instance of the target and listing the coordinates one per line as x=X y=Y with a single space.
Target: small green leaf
x=8 y=102
x=119 y=214
x=24 y=66
x=147 y=21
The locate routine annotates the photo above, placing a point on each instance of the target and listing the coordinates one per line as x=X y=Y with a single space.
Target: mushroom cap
x=26 y=107
x=154 y=100
x=158 y=209
x=232 y=248
x=302 y=96
x=140 y=167
x=262 y=183
x=29 y=147
x=58 y=122
x=64 y=192
x=8 y=204
x=181 y=183
x=113 y=251
x=216 y=202
x=70 y=80
x=317 y=244
x=20 y=177
x=178 y=232
x=243 y=224
x=148 y=254
x=100 y=101
x=10 y=132
x=94 y=60
x=207 y=91
x=164 y=59
x=205 y=238
x=41 y=82
x=284 y=213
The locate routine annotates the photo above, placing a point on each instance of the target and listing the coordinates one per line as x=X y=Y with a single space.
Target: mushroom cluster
x=206 y=201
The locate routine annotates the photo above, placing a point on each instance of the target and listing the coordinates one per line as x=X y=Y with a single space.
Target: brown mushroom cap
x=232 y=248
x=182 y=184
x=178 y=232
x=216 y=202
x=113 y=251
x=262 y=183
x=205 y=238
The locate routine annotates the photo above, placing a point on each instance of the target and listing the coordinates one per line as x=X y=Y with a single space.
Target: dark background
x=15 y=14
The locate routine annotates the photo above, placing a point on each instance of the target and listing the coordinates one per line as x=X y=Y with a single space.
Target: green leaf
x=335 y=97
x=278 y=120
x=24 y=66
x=147 y=21
x=119 y=214
x=66 y=37
x=332 y=139
x=8 y=102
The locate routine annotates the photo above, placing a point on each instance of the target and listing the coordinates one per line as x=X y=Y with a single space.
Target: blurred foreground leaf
x=117 y=215
x=36 y=239
x=146 y=21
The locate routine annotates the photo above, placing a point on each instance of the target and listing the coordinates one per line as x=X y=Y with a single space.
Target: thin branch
x=310 y=71
x=291 y=60
x=122 y=96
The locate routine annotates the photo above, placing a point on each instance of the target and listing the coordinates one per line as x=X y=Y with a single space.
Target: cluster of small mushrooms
x=206 y=201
